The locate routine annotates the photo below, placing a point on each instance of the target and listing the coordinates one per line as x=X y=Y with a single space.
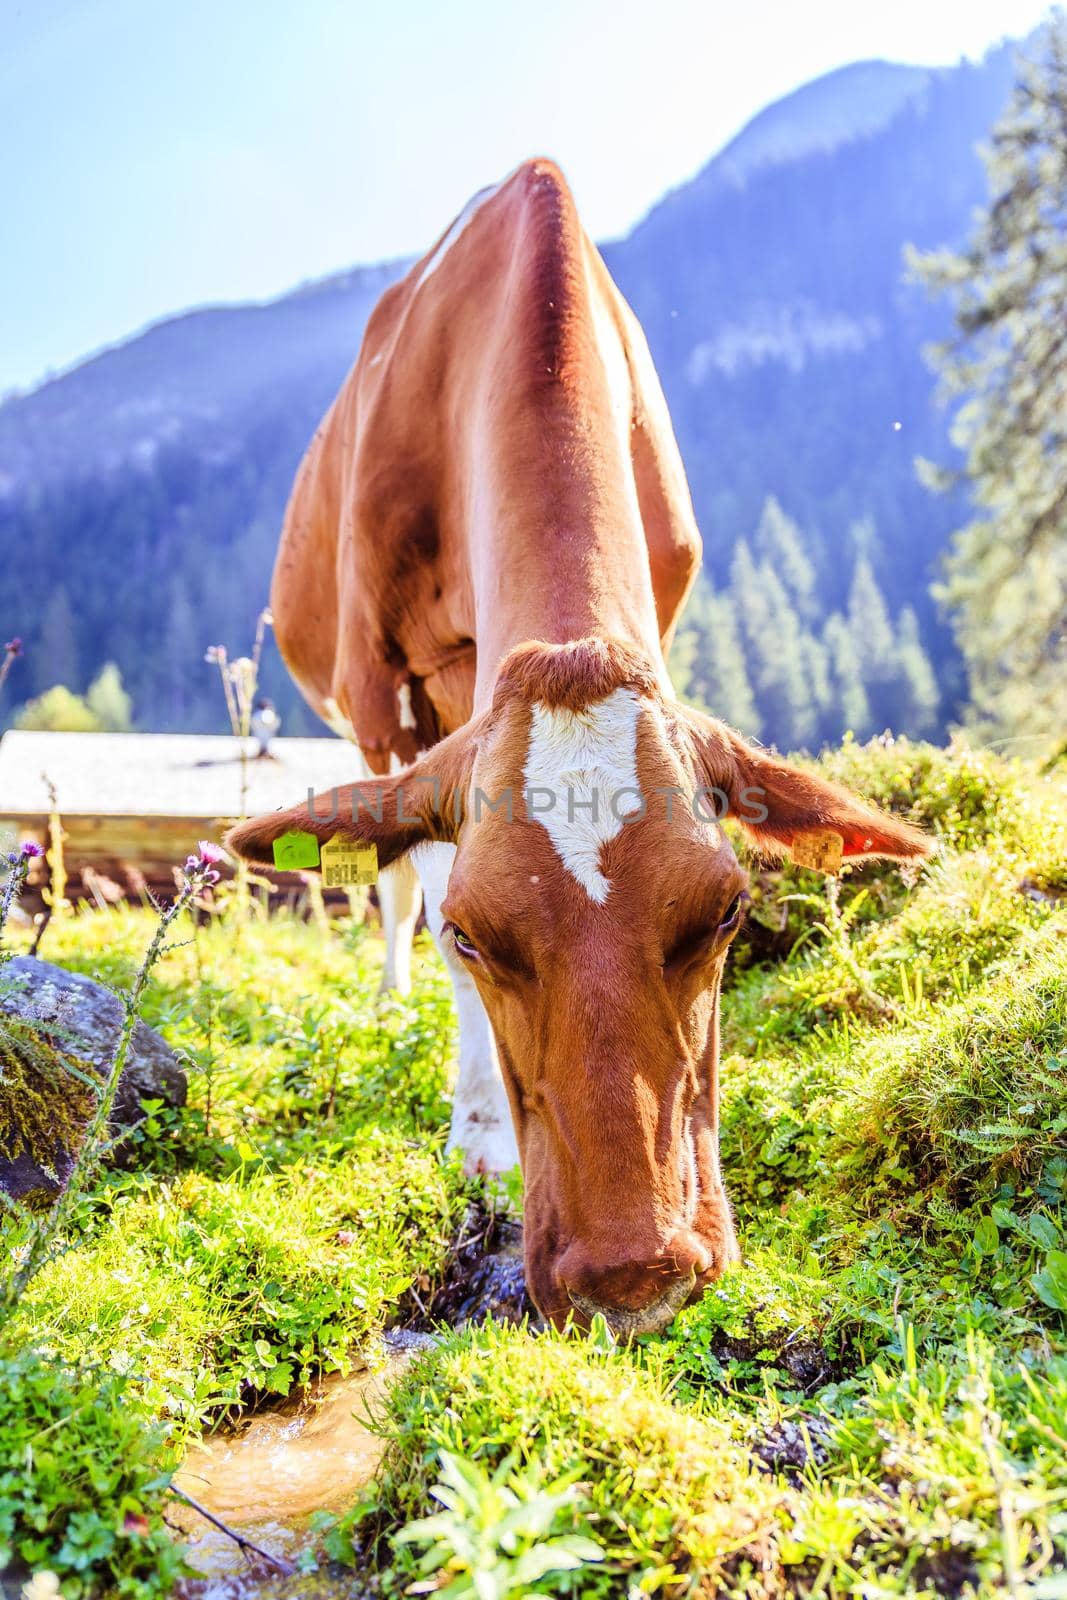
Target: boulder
x=56 y=1029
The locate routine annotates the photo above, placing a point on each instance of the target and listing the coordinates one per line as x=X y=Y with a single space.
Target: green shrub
x=82 y=1482
x=964 y=796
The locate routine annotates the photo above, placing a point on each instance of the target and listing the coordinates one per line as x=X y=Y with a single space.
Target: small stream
x=266 y=1477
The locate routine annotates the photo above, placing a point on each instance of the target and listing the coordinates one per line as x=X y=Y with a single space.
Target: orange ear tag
x=349 y=863
x=295 y=852
x=820 y=850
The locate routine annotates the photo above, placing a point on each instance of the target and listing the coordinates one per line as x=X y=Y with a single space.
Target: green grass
x=82 y=1488
x=875 y=1403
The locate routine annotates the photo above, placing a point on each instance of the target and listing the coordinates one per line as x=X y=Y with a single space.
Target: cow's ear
x=421 y=804
x=782 y=807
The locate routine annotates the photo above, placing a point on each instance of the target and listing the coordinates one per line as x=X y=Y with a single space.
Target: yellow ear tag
x=820 y=850
x=294 y=852
x=348 y=863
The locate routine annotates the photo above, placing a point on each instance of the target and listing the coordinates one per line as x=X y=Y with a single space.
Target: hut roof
x=161 y=774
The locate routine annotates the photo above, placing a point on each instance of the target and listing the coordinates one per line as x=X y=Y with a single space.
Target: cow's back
x=375 y=584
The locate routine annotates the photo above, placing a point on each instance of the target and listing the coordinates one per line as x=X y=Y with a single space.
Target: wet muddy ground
x=483 y=1278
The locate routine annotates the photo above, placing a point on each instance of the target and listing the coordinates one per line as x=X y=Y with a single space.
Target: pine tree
x=870 y=626
x=920 y=697
x=707 y=661
x=817 y=668
x=1007 y=576
x=57 y=710
x=780 y=542
x=851 y=697
x=728 y=690
x=56 y=658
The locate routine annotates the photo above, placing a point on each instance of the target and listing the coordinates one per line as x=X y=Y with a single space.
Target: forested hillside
x=145 y=488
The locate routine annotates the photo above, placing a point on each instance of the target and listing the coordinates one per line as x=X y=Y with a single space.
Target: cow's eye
x=464 y=943
x=734 y=911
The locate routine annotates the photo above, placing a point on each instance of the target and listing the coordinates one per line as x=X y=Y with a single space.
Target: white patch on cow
x=403 y=699
x=455 y=230
x=588 y=761
x=482 y=1126
x=399 y=901
x=336 y=719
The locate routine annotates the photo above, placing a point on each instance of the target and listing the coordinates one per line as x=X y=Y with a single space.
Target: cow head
x=594 y=897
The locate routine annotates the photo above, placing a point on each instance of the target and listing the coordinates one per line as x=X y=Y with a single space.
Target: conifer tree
x=780 y=542
x=708 y=660
x=851 y=697
x=870 y=625
x=920 y=698
x=791 y=709
x=56 y=657
x=728 y=691
x=1007 y=575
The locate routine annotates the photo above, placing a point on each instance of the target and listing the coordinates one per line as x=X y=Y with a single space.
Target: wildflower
x=214 y=653
x=14 y=646
x=204 y=866
x=30 y=849
x=44 y=1585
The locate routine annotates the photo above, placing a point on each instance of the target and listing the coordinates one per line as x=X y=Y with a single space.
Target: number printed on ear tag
x=820 y=850
x=295 y=852
x=349 y=863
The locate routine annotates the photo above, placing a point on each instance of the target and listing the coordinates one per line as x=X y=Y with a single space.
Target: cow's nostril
x=689 y=1253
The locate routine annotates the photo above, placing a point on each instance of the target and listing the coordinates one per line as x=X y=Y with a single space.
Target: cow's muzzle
x=626 y=1323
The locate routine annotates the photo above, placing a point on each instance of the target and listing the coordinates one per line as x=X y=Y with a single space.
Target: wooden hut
x=133 y=805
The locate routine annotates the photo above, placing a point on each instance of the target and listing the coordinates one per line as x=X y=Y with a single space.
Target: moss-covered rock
x=58 y=1035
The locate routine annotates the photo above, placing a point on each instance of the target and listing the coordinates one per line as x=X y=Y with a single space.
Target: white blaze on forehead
x=587 y=759
x=455 y=230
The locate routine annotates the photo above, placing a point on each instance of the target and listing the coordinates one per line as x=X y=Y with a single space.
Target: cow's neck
x=558 y=548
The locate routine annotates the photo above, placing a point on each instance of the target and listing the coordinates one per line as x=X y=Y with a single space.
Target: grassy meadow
x=874 y=1404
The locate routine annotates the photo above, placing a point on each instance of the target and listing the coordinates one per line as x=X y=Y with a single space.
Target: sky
x=158 y=154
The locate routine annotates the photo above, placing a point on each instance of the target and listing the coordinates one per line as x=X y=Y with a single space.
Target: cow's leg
x=481 y=1116
x=399 y=899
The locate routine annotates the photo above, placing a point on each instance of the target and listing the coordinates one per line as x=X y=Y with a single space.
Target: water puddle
x=266 y=1477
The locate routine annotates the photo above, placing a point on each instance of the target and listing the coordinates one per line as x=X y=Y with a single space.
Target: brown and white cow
x=487 y=547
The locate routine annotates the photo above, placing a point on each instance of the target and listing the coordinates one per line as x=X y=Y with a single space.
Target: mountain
x=142 y=492
x=832 y=110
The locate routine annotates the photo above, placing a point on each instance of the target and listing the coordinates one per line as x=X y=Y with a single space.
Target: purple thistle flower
x=203 y=866
x=14 y=646
x=30 y=849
